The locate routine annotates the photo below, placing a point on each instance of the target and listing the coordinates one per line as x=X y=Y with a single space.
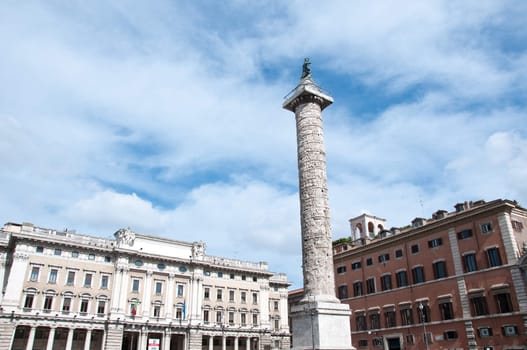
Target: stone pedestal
x=321 y=325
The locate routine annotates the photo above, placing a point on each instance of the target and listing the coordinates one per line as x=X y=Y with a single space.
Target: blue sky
x=166 y=116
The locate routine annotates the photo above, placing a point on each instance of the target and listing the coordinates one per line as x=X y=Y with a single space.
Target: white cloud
x=166 y=117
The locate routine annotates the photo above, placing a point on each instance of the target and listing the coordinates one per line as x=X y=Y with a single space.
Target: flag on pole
x=134 y=307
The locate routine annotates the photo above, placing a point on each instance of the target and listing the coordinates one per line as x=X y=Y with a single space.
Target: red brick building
x=456 y=280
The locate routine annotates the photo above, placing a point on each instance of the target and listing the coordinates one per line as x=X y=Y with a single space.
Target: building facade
x=454 y=281
x=63 y=290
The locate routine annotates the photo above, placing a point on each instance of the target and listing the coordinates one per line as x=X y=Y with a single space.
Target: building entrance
x=394 y=343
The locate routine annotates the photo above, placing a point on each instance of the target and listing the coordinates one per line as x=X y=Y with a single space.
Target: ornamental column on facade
x=319 y=321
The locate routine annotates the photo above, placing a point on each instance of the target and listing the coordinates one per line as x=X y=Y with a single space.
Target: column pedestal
x=321 y=325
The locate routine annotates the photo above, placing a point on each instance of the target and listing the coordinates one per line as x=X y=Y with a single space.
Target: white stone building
x=63 y=290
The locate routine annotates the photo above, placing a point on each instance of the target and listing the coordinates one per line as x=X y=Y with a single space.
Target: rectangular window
x=276 y=304
x=66 y=305
x=370 y=285
x=341 y=269
x=424 y=313
x=360 y=320
x=363 y=343
x=159 y=287
x=180 y=290
x=231 y=295
x=440 y=270
x=407 y=317
x=510 y=330
x=243 y=319
x=243 y=297
x=219 y=294
x=28 y=303
x=219 y=317
x=91 y=256
x=356 y=265
x=58 y=252
x=447 y=312
x=255 y=298
x=101 y=305
x=398 y=253
x=231 y=318
x=84 y=306
x=450 y=335
x=389 y=318
x=107 y=259
x=470 y=263
x=179 y=312
x=384 y=257
x=40 y=249
x=219 y=274
x=435 y=242
x=157 y=310
x=74 y=254
x=255 y=319
x=343 y=292
x=386 y=282
x=402 y=279
x=418 y=274
x=357 y=289
x=104 y=282
x=464 y=234
x=494 y=257
x=48 y=303
x=503 y=302
x=479 y=306
x=70 y=281
x=415 y=248
x=206 y=316
x=231 y=276
x=87 y=280
x=375 y=321
x=35 y=270
x=135 y=285
x=206 y=293
x=486 y=227
x=485 y=332
x=53 y=276
x=369 y=261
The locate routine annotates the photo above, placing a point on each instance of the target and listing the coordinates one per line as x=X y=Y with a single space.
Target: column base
x=321 y=325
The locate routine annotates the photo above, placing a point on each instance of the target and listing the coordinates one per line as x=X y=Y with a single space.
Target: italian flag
x=134 y=307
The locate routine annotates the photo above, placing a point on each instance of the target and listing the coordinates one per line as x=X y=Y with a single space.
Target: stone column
x=166 y=341
x=307 y=103
x=223 y=342
x=319 y=320
x=148 y=294
x=195 y=297
x=169 y=301
x=69 y=340
x=144 y=339
x=87 y=341
x=211 y=342
x=236 y=339
x=248 y=344
x=31 y=338
x=51 y=338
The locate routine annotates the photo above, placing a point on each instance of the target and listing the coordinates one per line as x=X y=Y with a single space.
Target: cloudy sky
x=165 y=116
